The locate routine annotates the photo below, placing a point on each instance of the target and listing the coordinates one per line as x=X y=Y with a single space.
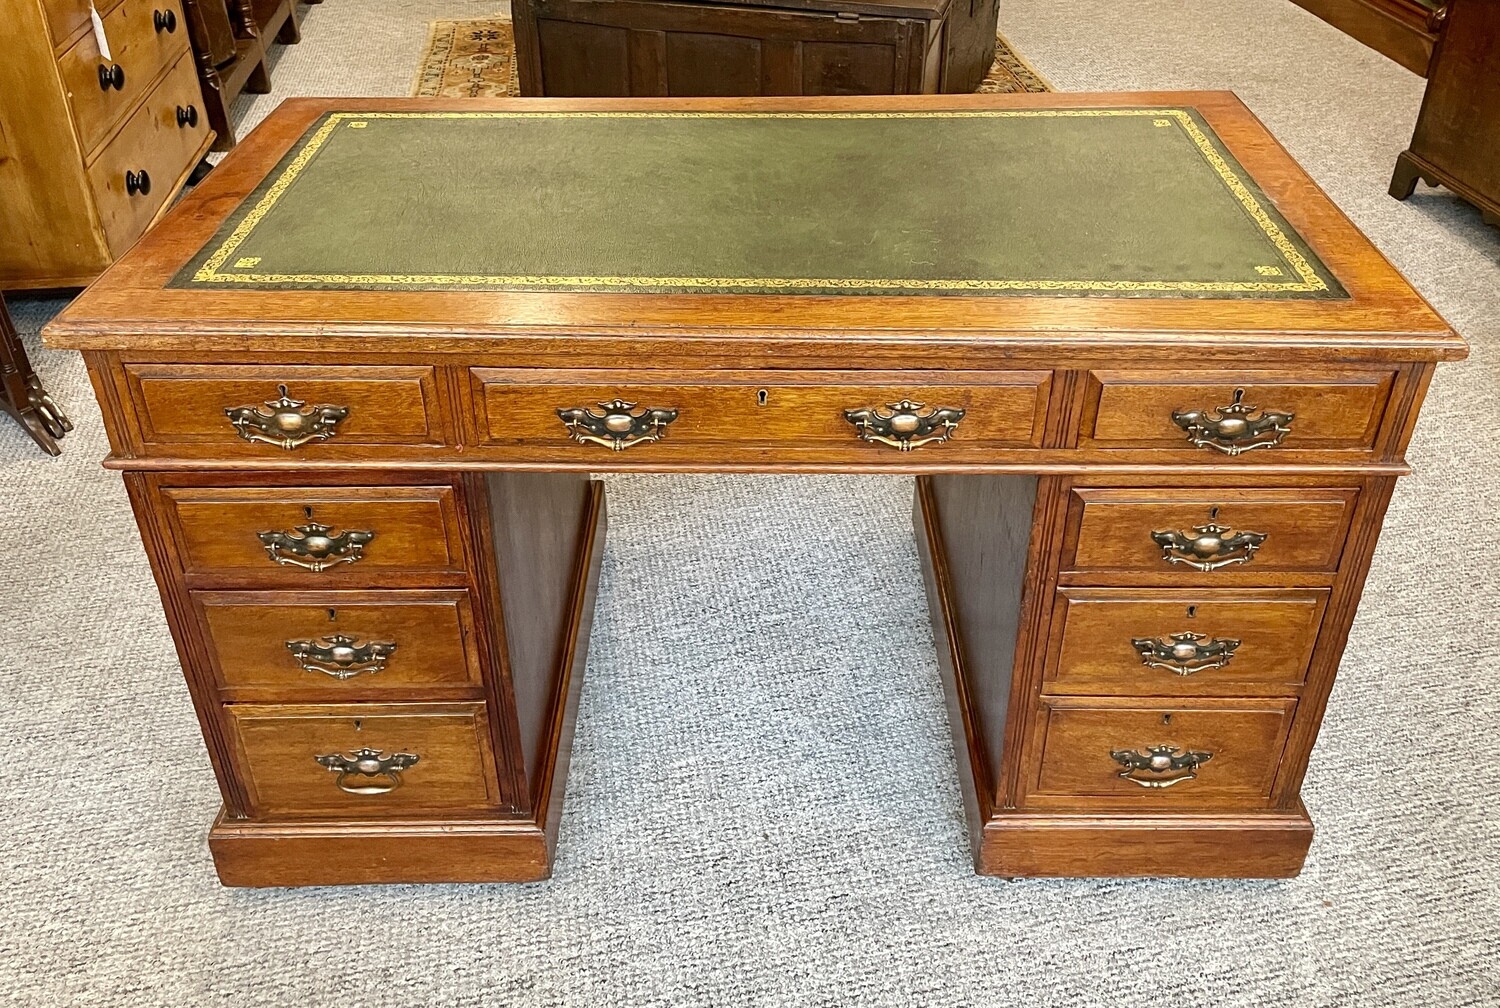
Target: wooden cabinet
x=603 y=48
x=1457 y=140
x=92 y=149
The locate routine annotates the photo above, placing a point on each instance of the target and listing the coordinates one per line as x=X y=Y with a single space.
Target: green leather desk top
x=1062 y=202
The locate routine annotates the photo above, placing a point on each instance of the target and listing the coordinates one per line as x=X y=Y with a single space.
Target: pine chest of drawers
x=1153 y=451
x=93 y=147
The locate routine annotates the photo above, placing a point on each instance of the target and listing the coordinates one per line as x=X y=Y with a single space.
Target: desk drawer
x=1183 y=642
x=1222 y=414
x=709 y=415
x=339 y=645
x=1197 y=536
x=140 y=45
x=1154 y=753
x=316 y=536
x=364 y=760
x=137 y=173
x=270 y=411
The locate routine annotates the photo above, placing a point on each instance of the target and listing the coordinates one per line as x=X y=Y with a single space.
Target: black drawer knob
x=165 y=21
x=187 y=117
x=111 y=75
x=137 y=183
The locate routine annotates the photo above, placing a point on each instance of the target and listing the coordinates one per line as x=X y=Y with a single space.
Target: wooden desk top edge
x=129 y=309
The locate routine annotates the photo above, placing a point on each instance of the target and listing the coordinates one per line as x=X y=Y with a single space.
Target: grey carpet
x=763 y=809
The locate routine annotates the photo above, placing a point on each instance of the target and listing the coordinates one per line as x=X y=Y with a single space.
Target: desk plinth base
x=1032 y=845
x=315 y=854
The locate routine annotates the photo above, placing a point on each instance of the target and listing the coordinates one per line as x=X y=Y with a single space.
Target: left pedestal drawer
x=364 y=760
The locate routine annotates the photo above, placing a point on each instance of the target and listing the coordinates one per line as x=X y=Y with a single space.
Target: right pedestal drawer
x=1153 y=753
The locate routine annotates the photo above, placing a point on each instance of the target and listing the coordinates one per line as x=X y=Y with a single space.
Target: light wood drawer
x=64 y=17
x=419 y=758
x=321 y=536
x=1136 y=409
x=1086 y=745
x=729 y=413
x=339 y=645
x=1204 y=536
x=138 y=172
x=1183 y=642
x=139 y=52
x=241 y=410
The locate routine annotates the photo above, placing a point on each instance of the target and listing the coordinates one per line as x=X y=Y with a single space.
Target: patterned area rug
x=477 y=59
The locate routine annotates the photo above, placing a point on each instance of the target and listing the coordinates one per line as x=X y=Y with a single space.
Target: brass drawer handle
x=315 y=549
x=1159 y=760
x=905 y=427
x=1231 y=429
x=368 y=771
x=111 y=75
x=1185 y=653
x=619 y=426
x=341 y=657
x=286 y=423
x=1208 y=547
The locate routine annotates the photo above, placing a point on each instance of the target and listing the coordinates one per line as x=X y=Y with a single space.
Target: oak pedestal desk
x=1155 y=389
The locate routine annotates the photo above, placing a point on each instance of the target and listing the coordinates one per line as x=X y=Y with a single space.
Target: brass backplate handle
x=1160 y=766
x=285 y=422
x=1231 y=429
x=314 y=548
x=1208 y=547
x=368 y=771
x=341 y=657
x=1185 y=653
x=905 y=427
x=620 y=426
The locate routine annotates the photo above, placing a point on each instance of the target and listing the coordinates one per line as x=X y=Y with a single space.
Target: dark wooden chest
x=666 y=48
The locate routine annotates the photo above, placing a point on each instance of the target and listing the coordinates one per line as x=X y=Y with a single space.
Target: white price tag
x=99 y=38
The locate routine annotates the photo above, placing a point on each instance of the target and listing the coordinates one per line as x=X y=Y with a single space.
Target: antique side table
x=1155 y=387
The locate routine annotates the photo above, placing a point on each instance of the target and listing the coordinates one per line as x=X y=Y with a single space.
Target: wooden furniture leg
x=22 y=394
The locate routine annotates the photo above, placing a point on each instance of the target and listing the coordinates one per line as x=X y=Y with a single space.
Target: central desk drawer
x=306 y=537
x=1200 y=536
x=1183 y=642
x=843 y=415
x=338 y=644
x=364 y=760
x=1155 y=753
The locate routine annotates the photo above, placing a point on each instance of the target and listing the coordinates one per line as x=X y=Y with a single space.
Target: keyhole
x=1192 y=611
x=1213 y=514
x=307 y=510
x=333 y=615
x=1165 y=719
x=359 y=725
x=761 y=396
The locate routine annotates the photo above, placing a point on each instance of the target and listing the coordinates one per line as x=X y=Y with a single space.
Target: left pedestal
x=385 y=665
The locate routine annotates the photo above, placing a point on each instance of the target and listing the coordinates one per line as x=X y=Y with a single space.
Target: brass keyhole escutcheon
x=1191 y=613
x=1166 y=719
x=761 y=396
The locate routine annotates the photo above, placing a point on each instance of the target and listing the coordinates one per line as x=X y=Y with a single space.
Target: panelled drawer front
x=182 y=408
x=1341 y=411
x=785 y=410
x=135 y=174
x=338 y=644
x=1112 y=531
x=1089 y=748
x=277 y=749
x=410 y=529
x=138 y=50
x=1198 y=642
